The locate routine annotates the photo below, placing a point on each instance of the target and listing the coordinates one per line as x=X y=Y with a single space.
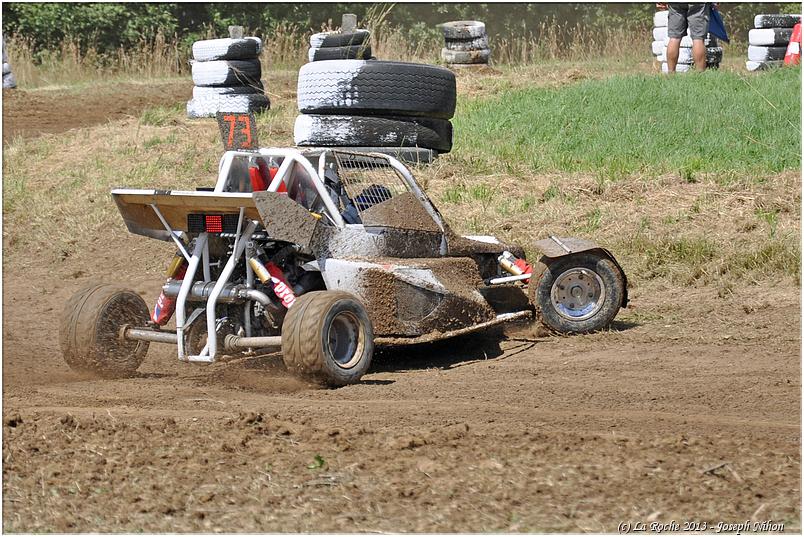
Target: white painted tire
x=338 y=39
x=657 y=47
x=763 y=66
x=6 y=68
x=227 y=73
x=354 y=52
x=686 y=41
x=227 y=49
x=465 y=57
x=478 y=43
x=243 y=104
x=776 y=21
x=680 y=68
x=768 y=37
x=203 y=92
x=339 y=131
x=372 y=87
x=9 y=81
x=463 y=29
x=660 y=34
x=763 y=54
x=714 y=55
x=660 y=19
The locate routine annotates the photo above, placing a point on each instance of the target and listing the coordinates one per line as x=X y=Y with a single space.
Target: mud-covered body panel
x=412 y=297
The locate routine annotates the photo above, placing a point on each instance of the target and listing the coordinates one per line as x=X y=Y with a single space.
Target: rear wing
x=157 y=213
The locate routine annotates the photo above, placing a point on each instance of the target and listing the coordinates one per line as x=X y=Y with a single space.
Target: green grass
x=687 y=124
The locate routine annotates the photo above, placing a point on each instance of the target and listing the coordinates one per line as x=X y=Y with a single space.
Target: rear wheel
x=327 y=337
x=89 y=333
x=579 y=293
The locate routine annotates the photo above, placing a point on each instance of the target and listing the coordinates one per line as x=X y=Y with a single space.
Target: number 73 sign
x=238 y=130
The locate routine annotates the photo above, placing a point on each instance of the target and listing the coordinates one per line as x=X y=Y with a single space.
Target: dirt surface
x=32 y=113
x=689 y=410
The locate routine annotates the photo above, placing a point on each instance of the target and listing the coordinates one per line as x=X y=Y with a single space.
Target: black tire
x=776 y=21
x=90 y=328
x=465 y=56
x=344 y=131
x=768 y=37
x=354 y=52
x=376 y=88
x=409 y=155
x=9 y=82
x=204 y=92
x=227 y=73
x=312 y=350
x=714 y=55
x=243 y=104
x=586 y=273
x=477 y=43
x=226 y=49
x=338 y=39
x=463 y=29
x=763 y=66
x=764 y=54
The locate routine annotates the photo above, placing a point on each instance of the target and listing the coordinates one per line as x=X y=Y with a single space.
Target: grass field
x=718 y=122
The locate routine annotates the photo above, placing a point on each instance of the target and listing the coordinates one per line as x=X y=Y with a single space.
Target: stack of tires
x=226 y=74
x=714 y=53
x=398 y=108
x=465 y=43
x=768 y=40
x=659 y=33
x=8 y=77
x=340 y=46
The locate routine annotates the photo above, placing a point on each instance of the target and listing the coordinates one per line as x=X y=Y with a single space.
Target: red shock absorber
x=270 y=274
x=166 y=305
x=513 y=264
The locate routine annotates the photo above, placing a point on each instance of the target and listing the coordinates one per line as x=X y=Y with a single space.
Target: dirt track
x=531 y=434
x=31 y=113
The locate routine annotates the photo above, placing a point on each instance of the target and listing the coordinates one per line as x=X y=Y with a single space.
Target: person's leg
x=698 y=20
x=676 y=28
x=699 y=54
x=672 y=53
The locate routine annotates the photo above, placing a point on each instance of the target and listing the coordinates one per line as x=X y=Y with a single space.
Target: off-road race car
x=325 y=254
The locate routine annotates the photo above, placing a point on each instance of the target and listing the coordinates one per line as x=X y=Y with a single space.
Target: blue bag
x=716 y=26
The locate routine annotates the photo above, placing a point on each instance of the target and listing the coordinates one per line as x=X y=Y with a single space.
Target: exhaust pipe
x=231 y=293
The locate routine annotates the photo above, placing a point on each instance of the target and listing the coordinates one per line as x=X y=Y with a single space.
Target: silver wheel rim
x=344 y=340
x=578 y=294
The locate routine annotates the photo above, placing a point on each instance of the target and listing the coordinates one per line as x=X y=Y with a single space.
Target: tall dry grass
x=557 y=41
x=286 y=48
x=71 y=64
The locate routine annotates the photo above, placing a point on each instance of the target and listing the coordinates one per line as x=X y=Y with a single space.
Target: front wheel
x=579 y=293
x=327 y=337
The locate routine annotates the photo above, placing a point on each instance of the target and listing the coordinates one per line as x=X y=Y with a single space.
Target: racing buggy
x=325 y=254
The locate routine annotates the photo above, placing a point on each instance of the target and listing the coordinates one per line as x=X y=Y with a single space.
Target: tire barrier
x=465 y=43
x=768 y=40
x=226 y=73
x=397 y=107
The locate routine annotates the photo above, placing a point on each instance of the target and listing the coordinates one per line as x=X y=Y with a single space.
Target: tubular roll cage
x=243 y=235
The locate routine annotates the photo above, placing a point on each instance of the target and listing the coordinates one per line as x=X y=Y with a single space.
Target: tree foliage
x=108 y=26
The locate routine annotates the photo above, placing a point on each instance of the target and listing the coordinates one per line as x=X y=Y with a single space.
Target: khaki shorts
x=694 y=16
